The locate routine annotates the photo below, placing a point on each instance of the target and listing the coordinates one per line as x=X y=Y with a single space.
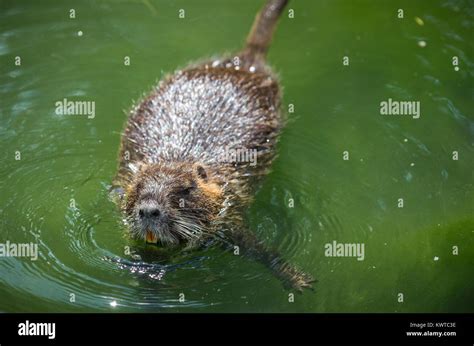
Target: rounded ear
x=201 y=172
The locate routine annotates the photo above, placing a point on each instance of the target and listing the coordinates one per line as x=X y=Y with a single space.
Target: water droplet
x=419 y=21
x=444 y=174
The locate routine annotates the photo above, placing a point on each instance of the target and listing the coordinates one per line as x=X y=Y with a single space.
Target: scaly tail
x=260 y=36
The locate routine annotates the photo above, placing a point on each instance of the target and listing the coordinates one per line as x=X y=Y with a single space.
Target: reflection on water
x=56 y=168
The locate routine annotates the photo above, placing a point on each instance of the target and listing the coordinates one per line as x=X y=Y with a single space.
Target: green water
x=55 y=194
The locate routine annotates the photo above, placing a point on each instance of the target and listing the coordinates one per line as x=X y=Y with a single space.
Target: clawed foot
x=296 y=279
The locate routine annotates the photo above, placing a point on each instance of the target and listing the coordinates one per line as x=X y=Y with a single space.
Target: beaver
x=184 y=158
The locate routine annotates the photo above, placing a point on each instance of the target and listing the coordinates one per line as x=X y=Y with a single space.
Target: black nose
x=149 y=212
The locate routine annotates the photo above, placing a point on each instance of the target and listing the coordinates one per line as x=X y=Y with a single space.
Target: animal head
x=172 y=203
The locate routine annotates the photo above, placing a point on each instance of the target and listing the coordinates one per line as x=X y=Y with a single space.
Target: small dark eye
x=201 y=172
x=186 y=191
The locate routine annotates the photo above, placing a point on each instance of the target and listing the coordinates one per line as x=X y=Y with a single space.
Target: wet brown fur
x=175 y=136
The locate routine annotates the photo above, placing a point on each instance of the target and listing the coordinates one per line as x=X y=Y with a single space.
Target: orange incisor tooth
x=150 y=237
